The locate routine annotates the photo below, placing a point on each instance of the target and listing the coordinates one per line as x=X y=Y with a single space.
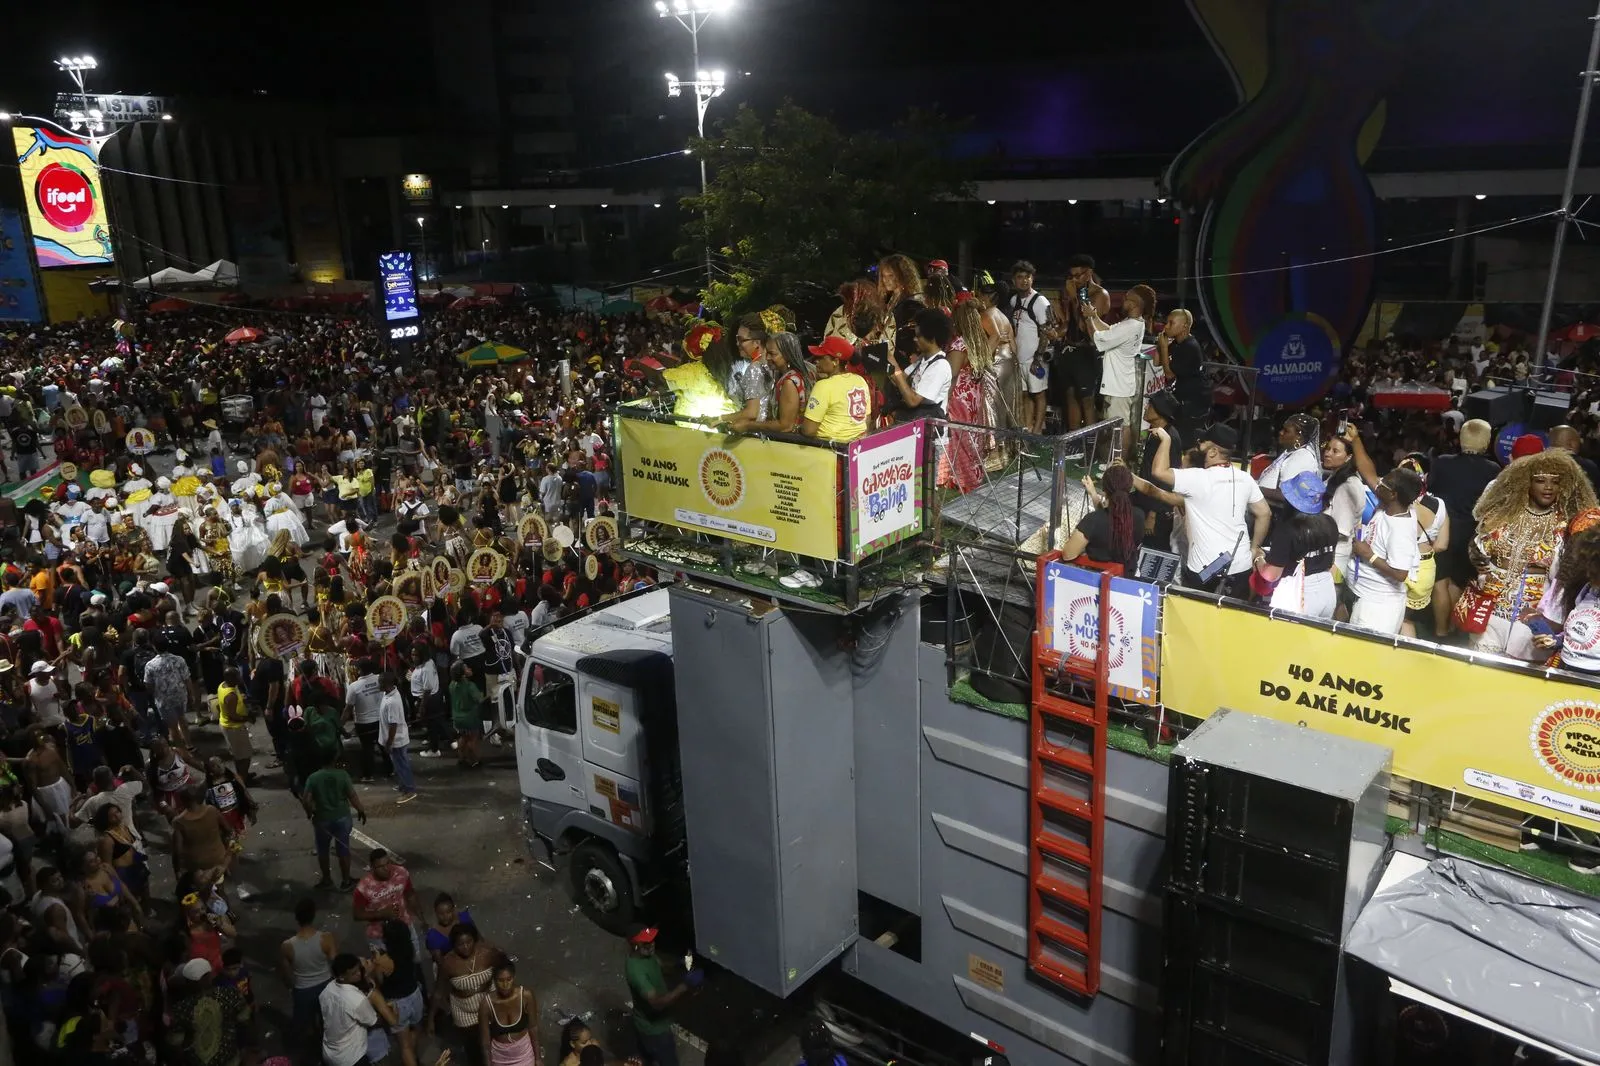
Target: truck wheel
x=602 y=886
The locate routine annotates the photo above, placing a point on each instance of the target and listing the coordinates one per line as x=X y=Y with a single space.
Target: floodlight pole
x=1564 y=212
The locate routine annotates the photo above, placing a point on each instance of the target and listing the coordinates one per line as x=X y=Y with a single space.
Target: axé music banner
x=762 y=492
x=1512 y=738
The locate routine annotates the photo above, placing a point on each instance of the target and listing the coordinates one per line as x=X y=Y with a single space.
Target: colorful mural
x=1285 y=209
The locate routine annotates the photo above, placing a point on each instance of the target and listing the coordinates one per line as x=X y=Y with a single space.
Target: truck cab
x=596 y=744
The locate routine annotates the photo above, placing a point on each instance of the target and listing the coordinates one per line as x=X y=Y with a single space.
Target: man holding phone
x=1076 y=373
x=1030 y=324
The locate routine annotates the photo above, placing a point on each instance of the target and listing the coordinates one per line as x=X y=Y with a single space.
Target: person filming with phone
x=1075 y=375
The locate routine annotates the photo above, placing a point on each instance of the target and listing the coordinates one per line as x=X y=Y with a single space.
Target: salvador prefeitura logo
x=1566 y=738
x=65 y=196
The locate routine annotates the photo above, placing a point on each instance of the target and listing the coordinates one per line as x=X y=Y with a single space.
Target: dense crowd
x=194 y=549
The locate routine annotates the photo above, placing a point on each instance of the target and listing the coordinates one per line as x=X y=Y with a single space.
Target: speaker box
x=1002 y=652
x=1495 y=406
x=1549 y=409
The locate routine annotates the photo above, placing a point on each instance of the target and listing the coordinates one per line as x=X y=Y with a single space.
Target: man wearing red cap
x=652 y=998
x=841 y=401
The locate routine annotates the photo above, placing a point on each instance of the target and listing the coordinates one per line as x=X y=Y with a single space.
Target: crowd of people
x=194 y=548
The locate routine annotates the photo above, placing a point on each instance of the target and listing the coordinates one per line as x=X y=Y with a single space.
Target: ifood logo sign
x=65 y=196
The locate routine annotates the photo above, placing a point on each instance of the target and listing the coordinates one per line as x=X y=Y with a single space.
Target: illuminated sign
x=399 y=287
x=113 y=109
x=66 y=206
x=417 y=188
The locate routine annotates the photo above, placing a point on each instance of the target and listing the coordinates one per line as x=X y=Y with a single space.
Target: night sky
x=1136 y=77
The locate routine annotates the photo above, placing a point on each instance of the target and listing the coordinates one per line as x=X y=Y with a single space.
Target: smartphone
x=1083 y=294
x=1344 y=426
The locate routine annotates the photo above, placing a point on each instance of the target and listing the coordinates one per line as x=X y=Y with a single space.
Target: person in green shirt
x=328 y=795
x=466 y=713
x=652 y=998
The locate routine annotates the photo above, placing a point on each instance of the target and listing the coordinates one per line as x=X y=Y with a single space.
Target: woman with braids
x=1299 y=456
x=939 y=291
x=1109 y=533
x=972 y=361
x=1522 y=519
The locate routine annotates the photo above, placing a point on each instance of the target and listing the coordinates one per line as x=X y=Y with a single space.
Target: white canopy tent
x=221 y=272
x=163 y=277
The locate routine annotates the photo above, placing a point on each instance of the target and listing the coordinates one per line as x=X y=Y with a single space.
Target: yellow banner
x=1498 y=734
x=764 y=492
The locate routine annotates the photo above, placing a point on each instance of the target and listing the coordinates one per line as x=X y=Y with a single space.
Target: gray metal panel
x=813 y=741
x=887 y=790
x=724 y=741
x=974 y=896
x=1296 y=755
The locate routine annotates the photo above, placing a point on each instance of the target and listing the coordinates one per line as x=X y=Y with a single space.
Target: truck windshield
x=552 y=701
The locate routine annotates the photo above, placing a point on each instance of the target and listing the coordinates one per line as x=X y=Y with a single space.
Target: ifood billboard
x=66 y=203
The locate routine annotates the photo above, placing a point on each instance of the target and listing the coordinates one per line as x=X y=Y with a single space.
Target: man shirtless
x=52 y=783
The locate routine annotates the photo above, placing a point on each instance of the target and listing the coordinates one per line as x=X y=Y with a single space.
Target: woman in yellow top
x=291 y=577
x=233 y=715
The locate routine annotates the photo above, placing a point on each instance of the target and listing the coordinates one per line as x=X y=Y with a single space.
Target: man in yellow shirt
x=841 y=401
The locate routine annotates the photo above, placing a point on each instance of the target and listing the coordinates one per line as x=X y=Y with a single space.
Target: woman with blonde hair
x=900 y=285
x=1522 y=520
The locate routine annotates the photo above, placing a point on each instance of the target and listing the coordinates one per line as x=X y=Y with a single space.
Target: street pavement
x=462 y=836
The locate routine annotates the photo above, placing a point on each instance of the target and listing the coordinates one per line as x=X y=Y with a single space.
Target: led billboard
x=66 y=201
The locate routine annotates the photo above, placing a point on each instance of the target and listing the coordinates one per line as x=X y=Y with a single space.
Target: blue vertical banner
x=19 y=281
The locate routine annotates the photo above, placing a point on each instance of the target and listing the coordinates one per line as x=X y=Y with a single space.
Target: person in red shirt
x=385 y=894
x=49 y=630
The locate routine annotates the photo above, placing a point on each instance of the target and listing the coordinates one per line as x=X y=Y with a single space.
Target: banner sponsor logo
x=769 y=493
x=66 y=207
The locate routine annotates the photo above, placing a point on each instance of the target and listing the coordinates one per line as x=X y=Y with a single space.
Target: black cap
x=1165 y=403
x=1220 y=434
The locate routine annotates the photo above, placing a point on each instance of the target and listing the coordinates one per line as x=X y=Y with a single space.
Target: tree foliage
x=795 y=205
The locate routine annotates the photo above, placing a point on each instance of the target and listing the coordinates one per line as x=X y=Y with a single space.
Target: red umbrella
x=244 y=333
x=163 y=306
x=662 y=303
x=464 y=301
x=1581 y=332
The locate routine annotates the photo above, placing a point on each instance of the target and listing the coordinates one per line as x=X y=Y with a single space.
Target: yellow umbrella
x=491 y=355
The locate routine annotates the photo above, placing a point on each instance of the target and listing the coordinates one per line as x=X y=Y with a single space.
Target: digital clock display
x=401 y=331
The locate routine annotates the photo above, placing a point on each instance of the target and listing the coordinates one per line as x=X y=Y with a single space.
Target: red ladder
x=1066 y=816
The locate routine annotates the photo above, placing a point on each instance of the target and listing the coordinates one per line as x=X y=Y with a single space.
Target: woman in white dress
x=136 y=492
x=161 y=515
x=247 y=537
x=283 y=515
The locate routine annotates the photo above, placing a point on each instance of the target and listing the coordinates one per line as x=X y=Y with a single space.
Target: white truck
x=841 y=814
x=584 y=761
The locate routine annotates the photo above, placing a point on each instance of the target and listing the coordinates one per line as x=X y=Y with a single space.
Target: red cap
x=1527 y=444
x=837 y=347
x=647 y=935
x=939 y=264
